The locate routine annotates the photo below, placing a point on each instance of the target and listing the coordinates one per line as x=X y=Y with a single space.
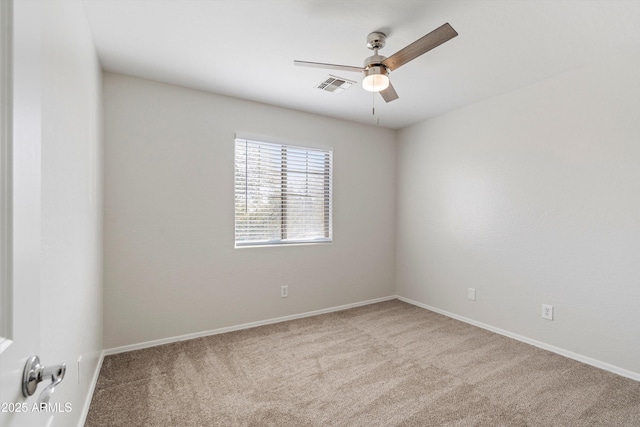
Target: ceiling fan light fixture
x=375 y=79
x=376 y=67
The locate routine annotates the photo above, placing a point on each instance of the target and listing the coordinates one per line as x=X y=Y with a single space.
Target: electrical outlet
x=547 y=311
x=284 y=291
x=471 y=294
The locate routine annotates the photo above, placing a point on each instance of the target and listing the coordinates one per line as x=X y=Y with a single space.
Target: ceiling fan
x=376 y=67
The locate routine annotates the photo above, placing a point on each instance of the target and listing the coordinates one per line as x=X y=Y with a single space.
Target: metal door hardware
x=34 y=373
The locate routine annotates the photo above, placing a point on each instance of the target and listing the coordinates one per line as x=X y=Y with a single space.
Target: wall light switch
x=471 y=294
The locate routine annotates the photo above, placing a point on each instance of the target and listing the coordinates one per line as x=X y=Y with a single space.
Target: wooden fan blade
x=389 y=94
x=329 y=66
x=424 y=44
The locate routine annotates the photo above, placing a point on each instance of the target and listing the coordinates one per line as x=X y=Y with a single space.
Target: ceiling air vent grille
x=335 y=84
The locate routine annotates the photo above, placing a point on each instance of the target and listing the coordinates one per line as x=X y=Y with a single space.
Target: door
x=22 y=292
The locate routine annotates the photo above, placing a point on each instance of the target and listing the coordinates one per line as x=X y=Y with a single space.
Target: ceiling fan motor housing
x=374 y=60
x=376 y=69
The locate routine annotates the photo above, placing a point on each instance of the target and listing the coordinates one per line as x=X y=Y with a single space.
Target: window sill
x=281 y=244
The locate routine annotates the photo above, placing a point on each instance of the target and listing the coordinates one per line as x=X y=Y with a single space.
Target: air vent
x=335 y=84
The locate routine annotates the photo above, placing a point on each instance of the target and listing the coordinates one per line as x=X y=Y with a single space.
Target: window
x=282 y=194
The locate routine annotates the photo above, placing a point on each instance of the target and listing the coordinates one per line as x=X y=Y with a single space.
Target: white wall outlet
x=547 y=311
x=284 y=291
x=471 y=294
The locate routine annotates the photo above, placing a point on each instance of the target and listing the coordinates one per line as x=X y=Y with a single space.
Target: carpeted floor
x=386 y=364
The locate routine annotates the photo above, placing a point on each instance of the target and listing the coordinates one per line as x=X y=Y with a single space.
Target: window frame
x=327 y=209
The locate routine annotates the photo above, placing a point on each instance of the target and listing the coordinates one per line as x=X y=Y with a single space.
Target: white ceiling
x=246 y=48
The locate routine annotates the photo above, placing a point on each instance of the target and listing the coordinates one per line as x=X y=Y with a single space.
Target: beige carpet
x=387 y=364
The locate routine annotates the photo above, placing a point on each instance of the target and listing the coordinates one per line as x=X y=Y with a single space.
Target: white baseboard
x=162 y=341
x=92 y=389
x=562 y=352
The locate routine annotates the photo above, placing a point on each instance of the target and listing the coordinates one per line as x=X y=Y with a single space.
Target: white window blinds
x=282 y=194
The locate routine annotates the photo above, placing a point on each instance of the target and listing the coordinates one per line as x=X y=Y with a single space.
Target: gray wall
x=531 y=197
x=170 y=264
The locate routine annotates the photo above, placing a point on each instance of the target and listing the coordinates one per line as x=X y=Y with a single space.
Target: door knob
x=34 y=373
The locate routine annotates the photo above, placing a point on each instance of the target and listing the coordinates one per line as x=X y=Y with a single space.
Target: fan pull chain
x=373 y=103
x=373 y=108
